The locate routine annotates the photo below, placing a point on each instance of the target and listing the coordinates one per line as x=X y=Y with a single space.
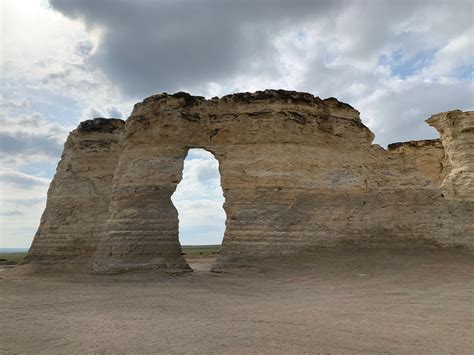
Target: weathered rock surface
x=79 y=196
x=457 y=134
x=427 y=156
x=298 y=173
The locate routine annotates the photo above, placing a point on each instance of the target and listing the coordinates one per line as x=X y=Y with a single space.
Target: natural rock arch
x=298 y=173
x=200 y=191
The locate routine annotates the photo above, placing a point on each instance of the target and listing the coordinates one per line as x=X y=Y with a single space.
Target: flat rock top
x=269 y=95
x=416 y=144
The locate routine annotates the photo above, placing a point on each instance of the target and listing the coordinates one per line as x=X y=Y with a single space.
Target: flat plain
x=336 y=301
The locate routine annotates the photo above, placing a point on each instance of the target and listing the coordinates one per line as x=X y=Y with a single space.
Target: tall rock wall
x=298 y=173
x=431 y=159
x=79 y=195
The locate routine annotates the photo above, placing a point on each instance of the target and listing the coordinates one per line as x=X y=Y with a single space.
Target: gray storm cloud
x=165 y=45
x=367 y=53
x=30 y=135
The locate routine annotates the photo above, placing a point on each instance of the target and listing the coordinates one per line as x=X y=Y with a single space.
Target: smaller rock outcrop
x=428 y=156
x=457 y=134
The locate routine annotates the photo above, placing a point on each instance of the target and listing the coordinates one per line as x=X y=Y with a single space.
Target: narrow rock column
x=142 y=229
x=457 y=135
x=79 y=195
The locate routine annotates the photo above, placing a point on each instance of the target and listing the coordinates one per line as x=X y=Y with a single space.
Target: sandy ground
x=340 y=302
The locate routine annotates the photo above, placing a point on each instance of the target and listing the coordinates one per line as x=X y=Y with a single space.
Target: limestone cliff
x=298 y=173
x=457 y=134
x=79 y=195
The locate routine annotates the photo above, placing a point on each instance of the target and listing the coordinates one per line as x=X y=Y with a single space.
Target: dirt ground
x=375 y=301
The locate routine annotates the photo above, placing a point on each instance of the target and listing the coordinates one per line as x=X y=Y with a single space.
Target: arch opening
x=199 y=201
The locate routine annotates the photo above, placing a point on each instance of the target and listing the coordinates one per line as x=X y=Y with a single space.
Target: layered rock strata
x=457 y=134
x=79 y=195
x=427 y=156
x=298 y=173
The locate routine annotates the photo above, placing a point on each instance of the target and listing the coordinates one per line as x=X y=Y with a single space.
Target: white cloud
x=12 y=104
x=455 y=54
x=49 y=61
x=201 y=178
x=29 y=138
x=17 y=179
x=199 y=198
x=22 y=200
x=201 y=221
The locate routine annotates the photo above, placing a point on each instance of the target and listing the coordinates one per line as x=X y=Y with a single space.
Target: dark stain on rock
x=192 y=117
x=335 y=102
x=104 y=125
x=295 y=116
x=214 y=132
x=189 y=100
x=415 y=144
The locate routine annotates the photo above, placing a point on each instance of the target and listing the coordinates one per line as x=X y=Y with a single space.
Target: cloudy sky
x=64 y=61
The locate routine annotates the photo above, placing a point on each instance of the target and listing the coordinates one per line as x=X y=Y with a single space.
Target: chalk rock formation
x=457 y=133
x=298 y=173
x=427 y=156
x=79 y=195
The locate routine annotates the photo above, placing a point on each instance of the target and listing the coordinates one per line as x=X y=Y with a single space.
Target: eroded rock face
x=457 y=133
x=79 y=195
x=427 y=156
x=298 y=173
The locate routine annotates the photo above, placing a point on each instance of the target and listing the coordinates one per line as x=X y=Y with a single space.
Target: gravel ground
x=339 y=302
